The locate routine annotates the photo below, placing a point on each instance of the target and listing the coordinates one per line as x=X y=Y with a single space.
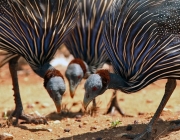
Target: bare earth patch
x=73 y=124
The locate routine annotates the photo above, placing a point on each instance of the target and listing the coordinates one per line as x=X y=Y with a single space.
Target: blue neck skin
x=116 y=82
x=41 y=71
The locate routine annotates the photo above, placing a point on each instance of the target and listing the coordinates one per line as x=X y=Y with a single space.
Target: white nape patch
x=61 y=60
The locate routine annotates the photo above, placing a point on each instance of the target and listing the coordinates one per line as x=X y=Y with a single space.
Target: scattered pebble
x=6 y=136
x=129 y=128
x=136 y=122
x=68 y=124
x=85 y=122
x=37 y=102
x=78 y=116
x=56 y=122
x=67 y=130
x=30 y=105
x=108 y=119
x=50 y=130
x=93 y=128
x=38 y=114
x=121 y=99
x=45 y=105
x=140 y=113
x=78 y=120
x=149 y=101
x=80 y=126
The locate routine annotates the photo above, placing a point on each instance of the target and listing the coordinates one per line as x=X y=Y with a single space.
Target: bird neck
x=41 y=71
x=116 y=82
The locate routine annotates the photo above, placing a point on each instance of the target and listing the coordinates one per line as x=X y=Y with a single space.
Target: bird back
x=140 y=49
x=36 y=28
x=85 y=41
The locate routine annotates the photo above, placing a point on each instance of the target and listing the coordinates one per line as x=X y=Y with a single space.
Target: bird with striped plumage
x=86 y=44
x=35 y=29
x=143 y=47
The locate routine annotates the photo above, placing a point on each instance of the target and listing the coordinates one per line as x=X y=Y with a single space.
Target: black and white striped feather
x=36 y=28
x=139 y=50
x=86 y=40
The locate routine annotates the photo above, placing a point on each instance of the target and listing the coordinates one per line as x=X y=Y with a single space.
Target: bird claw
x=175 y=125
x=27 y=118
x=142 y=136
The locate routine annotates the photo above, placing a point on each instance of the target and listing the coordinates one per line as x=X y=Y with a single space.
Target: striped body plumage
x=143 y=47
x=85 y=42
x=140 y=51
x=35 y=29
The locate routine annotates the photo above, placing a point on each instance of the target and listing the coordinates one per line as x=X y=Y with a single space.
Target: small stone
x=78 y=120
x=129 y=128
x=68 y=124
x=50 y=130
x=80 y=126
x=67 y=130
x=108 y=119
x=140 y=113
x=38 y=114
x=26 y=79
x=56 y=122
x=93 y=128
x=78 y=116
x=135 y=122
x=30 y=105
x=6 y=136
x=37 y=102
x=85 y=122
x=149 y=101
x=45 y=105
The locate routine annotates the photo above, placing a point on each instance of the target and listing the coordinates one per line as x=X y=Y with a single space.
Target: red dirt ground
x=141 y=106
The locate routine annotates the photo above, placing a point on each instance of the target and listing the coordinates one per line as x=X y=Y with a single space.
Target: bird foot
x=146 y=135
x=175 y=125
x=114 y=106
x=19 y=114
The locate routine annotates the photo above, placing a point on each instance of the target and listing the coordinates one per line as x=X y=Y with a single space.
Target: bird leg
x=114 y=104
x=94 y=108
x=18 y=112
x=169 y=88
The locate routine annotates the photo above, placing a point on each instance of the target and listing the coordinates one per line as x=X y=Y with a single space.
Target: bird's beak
x=58 y=107
x=73 y=87
x=72 y=91
x=57 y=102
x=87 y=99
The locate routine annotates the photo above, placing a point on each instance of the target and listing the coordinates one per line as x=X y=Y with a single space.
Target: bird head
x=95 y=85
x=55 y=86
x=75 y=73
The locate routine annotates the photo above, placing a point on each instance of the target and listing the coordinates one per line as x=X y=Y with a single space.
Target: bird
x=34 y=30
x=142 y=41
x=85 y=43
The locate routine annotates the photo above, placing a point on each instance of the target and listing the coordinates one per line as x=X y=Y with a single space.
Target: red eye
x=79 y=77
x=94 y=88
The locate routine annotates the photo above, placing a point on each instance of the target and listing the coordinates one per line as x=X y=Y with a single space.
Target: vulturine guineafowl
x=86 y=44
x=35 y=29
x=142 y=42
